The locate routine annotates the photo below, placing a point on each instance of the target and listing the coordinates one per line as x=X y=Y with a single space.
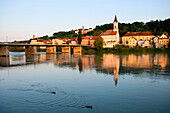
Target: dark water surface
x=63 y=83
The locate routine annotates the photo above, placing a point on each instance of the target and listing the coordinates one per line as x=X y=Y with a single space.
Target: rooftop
x=145 y=33
x=115 y=19
x=109 y=32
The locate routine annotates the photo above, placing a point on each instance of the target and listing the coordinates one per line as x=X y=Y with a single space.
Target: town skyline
x=23 y=19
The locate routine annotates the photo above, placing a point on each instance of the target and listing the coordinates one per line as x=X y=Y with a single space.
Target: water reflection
x=111 y=64
x=145 y=61
x=107 y=63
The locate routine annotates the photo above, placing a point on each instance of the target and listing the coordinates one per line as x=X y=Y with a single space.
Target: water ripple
x=60 y=98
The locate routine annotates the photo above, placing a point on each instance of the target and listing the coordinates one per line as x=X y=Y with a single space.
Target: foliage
x=16 y=49
x=40 y=50
x=156 y=28
x=98 y=43
x=137 y=49
x=79 y=37
x=89 y=50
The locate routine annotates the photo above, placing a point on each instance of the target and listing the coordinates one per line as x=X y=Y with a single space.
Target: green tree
x=98 y=43
x=79 y=37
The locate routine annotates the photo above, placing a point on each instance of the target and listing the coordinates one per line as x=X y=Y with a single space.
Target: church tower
x=115 y=28
x=115 y=25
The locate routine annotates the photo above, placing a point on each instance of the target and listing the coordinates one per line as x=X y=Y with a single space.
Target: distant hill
x=156 y=27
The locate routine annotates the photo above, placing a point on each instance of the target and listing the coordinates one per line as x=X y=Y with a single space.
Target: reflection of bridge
x=32 y=48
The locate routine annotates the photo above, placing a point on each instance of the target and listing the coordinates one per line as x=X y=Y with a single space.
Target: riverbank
x=126 y=50
x=117 y=49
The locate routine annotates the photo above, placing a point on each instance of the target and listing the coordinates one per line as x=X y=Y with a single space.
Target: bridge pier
x=66 y=49
x=51 y=50
x=4 y=61
x=77 y=49
x=30 y=50
x=4 y=51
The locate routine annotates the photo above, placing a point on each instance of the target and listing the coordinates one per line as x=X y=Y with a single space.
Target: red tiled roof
x=85 y=37
x=96 y=37
x=58 y=38
x=145 y=33
x=109 y=32
x=40 y=40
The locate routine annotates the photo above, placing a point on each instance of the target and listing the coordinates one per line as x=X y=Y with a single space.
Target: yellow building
x=132 y=42
x=40 y=42
x=156 y=40
x=83 y=31
x=58 y=41
x=164 y=40
x=144 y=36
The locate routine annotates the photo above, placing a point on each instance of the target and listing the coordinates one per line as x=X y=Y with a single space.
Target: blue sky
x=20 y=19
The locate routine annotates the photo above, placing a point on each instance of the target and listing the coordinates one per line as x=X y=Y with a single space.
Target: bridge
x=31 y=49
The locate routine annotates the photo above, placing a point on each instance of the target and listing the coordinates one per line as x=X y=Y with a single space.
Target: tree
x=79 y=37
x=98 y=43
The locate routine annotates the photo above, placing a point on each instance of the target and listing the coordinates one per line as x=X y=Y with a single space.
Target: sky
x=21 y=19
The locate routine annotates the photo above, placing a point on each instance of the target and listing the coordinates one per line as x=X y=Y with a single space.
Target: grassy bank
x=138 y=49
x=117 y=49
x=22 y=49
x=126 y=50
x=16 y=49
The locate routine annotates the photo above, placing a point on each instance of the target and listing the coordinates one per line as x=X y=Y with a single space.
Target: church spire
x=115 y=19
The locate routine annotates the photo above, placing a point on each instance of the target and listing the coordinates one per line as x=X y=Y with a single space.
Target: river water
x=64 y=83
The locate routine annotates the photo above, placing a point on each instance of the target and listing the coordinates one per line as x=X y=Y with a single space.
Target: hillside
x=156 y=27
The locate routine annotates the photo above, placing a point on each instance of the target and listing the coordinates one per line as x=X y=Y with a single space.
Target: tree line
x=155 y=27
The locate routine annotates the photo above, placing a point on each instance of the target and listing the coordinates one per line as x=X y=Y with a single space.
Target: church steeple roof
x=115 y=19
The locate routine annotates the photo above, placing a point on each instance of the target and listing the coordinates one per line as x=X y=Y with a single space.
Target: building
x=89 y=40
x=140 y=42
x=132 y=42
x=156 y=39
x=83 y=31
x=111 y=37
x=58 y=41
x=85 y=40
x=164 y=40
x=74 y=41
x=40 y=42
x=92 y=40
x=146 y=44
x=144 y=36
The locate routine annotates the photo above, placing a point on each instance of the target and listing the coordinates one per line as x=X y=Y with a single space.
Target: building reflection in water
x=107 y=63
x=161 y=60
x=145 y=61
x=111 y=64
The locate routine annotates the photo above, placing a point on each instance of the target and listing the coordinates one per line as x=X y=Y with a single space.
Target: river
x=64 y=83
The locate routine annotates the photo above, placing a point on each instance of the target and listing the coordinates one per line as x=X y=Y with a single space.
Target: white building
x=58 y=41
x=111 y=37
